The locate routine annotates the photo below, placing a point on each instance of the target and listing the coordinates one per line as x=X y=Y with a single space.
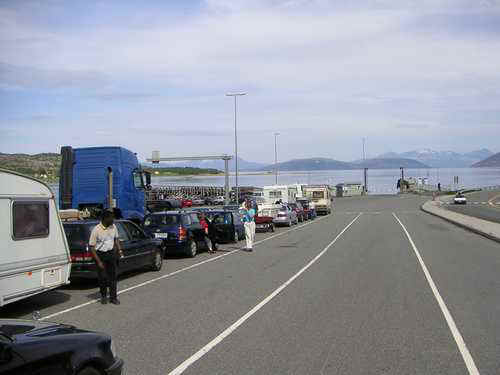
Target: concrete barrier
x=483 y=227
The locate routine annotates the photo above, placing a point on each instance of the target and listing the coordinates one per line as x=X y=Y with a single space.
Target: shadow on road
x=29 y=305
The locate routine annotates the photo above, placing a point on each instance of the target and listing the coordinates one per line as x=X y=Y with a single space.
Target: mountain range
x=315 y=164
x=492 y=162
x=443 y=159
x=243 y=165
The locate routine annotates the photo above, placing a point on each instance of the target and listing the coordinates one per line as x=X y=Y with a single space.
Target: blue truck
x=99 y=178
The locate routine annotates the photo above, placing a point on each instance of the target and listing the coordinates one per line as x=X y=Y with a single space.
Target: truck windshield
x=318 y=194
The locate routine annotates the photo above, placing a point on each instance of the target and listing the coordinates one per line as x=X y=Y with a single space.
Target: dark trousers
x=107 y=276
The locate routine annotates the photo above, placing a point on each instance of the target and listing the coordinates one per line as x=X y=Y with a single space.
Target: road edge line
x=214 y=342
x=462 y=347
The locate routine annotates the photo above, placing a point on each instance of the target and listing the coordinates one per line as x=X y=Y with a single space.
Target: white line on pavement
x=200 y=353
x=181 y=270
x=469 y=361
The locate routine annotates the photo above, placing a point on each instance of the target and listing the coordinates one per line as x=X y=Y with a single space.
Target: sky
x=152 y=75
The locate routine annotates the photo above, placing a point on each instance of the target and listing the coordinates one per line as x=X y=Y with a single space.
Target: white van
x=34 y=254
x=321 y=196
x=274 y=193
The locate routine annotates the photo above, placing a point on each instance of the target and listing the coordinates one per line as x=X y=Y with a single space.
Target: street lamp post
x=276 y=157
x=236 y=94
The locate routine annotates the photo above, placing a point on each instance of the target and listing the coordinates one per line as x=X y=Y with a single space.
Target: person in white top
x=105 y=248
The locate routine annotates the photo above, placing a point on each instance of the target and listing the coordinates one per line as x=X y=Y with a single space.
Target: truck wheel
x=157 y=260
x=191 y=249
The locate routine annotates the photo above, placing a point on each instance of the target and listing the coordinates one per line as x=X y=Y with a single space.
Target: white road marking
x=179 y=271
x=467 y=357
x=200 y=353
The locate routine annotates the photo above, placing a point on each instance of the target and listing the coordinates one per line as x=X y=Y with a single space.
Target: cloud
x=181 y=132
x=124 y=96
x=413 y=126
x=31 y=77
x=331 y=68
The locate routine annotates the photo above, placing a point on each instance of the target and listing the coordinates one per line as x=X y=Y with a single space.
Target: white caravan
x=321 y=196
x=34 y=253
x=274 y=193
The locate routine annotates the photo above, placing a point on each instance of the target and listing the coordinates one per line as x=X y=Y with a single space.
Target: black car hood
x=24 y=329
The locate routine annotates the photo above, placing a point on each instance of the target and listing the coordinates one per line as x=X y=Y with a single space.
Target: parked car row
x=30 y=207
x=288 y=214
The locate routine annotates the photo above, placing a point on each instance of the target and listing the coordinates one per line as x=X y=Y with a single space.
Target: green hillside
x=46 y=167
x=43 y=166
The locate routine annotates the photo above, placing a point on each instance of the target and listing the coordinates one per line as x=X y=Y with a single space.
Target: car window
x=78 y=235
x=161 y=220
x=228 y=218
x=122 y=233
x=30 y=219
x=134 y=231
x=186 y=220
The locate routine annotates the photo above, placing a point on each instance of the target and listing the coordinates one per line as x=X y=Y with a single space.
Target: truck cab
x=98 y=178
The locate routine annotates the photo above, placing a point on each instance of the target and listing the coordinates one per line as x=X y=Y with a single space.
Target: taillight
x=82 y=257
x=182 y=233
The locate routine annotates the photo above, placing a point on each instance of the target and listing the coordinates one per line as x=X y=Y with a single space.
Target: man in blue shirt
x=249 y=223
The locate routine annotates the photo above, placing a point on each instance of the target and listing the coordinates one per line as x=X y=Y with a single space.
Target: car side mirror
x=5 y=353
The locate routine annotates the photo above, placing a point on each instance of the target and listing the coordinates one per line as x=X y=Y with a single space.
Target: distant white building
x=349 y=189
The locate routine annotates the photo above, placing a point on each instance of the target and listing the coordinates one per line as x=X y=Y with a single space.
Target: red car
x=264 y=224
x=297 y=207
x=186 y=203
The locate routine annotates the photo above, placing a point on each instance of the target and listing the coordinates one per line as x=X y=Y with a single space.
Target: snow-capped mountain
x=443 y=159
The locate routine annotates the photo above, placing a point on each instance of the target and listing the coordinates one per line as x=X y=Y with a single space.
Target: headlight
x=112 y=348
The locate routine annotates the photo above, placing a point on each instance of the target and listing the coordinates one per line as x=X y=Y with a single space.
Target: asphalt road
x=483 y=204
x=344 y=294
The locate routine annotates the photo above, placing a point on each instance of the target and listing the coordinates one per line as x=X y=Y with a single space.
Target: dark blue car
x=33 y=348
x=180 y=231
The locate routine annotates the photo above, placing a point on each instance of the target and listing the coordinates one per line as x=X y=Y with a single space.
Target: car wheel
x=89 y=371
x=191 y=249
x=157 y=260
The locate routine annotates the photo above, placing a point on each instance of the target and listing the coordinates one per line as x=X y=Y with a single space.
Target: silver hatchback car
x=285 y=216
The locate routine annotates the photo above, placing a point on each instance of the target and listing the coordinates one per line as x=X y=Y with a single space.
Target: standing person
x=249 y=223
x=439 y=186
x=106 y=248
x=204 y=226
x=212 y=231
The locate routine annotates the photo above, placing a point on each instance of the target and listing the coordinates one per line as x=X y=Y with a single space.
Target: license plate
x=51 y=276
x=261 y=226
x=161 y=235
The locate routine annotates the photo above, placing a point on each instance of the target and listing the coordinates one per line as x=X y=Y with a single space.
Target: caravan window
x=275 y=194
x=30 y=219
